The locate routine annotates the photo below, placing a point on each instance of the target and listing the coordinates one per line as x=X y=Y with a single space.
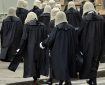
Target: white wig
x=25 y=3
x=44 y=4
x=88 y=6
x=54 y=12
x=12 y=11
x=60 y=17
x=59 y=6
x=20 y=3
x=31 y=16
x=37 y=3
x=52 y=3
x=71 y=4
x=47 y=9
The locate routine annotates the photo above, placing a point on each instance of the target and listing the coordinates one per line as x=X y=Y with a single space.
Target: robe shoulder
x=45 y=14
x=36 y=10
x=34 y=22
x=65 y=26
x=44 y=18
x=21 y=10
x=11 y=18
x=71 y=10
x=92 y=16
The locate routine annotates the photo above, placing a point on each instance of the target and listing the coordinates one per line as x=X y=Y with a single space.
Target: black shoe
x=89 y=82
x=68 y=83
x=36 y=82
x=49 y=82
x=94 y=81
x=61 y=82
x=6 y=60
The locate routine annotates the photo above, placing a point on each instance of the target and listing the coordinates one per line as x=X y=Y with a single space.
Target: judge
x=91 y=0
x=59 y=6
x=102 y=12
x=91 y=42
x=21 y=11
x=36 y=9
x=52 y=19
x=45 y=17
x=11 y=32
x=81 y=6
x=42 y=6
x=35 y=61
x=62 y=43
x=73 y=16
x=52 y=3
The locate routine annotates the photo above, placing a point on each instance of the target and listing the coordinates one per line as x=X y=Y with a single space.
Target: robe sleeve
x=48 y=43
x=24 y=38
x=79 y=16
x=20 y=29
x=81 y=28
x=17 y=58
x=76 y=42
x=103 y=40
x=2 y=33
x=51 y=25
x=83 y=23
x=45 y=34
x=104 y=29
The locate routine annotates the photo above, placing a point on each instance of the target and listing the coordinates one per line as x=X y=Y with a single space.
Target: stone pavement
x=0 y=25
x=8 y=77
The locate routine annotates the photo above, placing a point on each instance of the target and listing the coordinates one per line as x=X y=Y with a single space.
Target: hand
x=47 y=35
x=81 y=53
x=41 y=46
x=17 y=50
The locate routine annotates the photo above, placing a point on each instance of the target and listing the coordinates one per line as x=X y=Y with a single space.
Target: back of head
x=12 y=11
x=60 y=17
x=53 y=13
x=47 y=9
x=59 y=6
x=25 y=4
x=71 y=4
x=88 y=6
x=31 y=16
x=37 y=3
x=83 y=1
x=45 y=1
x=44 y=4
x=20 y=3
x=52 y=3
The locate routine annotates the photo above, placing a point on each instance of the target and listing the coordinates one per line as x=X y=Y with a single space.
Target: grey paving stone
x=16 y=78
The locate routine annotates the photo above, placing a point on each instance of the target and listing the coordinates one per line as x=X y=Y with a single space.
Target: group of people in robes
x=52 y=42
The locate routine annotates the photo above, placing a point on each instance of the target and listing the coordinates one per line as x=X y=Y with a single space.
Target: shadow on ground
x=22 y=83
x=101 y=74
x=41 y=82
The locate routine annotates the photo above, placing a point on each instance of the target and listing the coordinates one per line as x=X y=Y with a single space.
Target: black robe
x=22 y=14
x=91 y=0
x=11 y=32
x=81 y=7
x=62 y=43
x=52 y=25
x=103 y=52
x=35 y=59
x=45 y=18
x=36 y=10
x=65 y=8
x=91 y=43
x=73 y=17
